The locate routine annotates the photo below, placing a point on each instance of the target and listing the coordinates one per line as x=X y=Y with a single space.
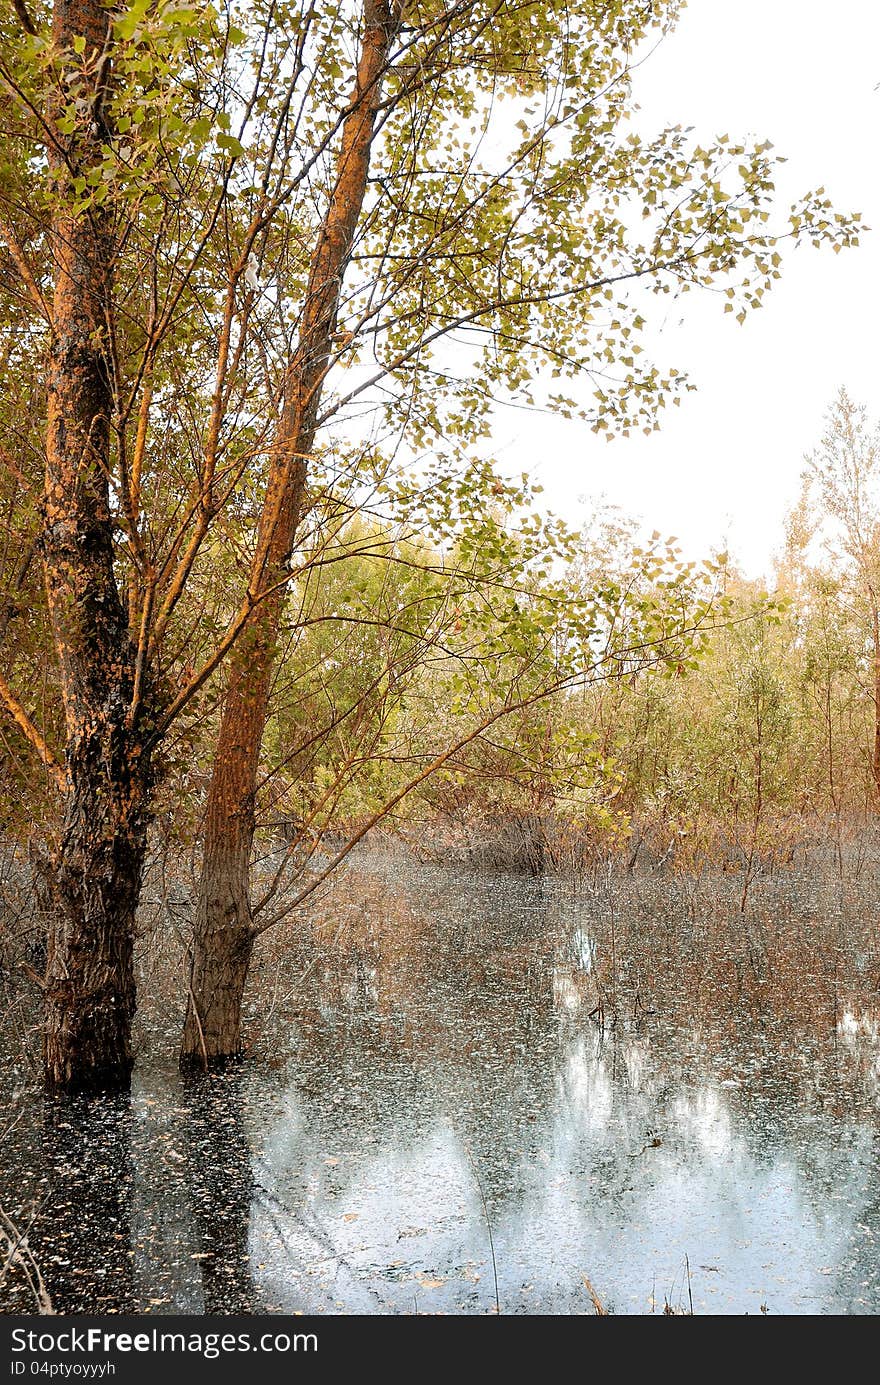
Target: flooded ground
x=466 y=1093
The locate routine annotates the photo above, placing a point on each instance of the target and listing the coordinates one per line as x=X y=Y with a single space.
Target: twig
x=488 y=1225
x=599 y=1306
x=20 y=1253
x=202 y=1045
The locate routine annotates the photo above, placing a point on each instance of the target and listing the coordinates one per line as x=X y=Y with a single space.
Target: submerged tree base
x=212 y=1028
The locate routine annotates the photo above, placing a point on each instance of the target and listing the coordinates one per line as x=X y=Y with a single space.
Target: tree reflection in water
x=221 y=1189
x=81 y=1238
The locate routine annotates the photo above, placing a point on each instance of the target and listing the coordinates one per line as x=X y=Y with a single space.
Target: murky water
x=468 y=1093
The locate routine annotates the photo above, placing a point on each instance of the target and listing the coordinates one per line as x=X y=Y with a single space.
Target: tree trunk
x=97 y=869
x=90 y=991
x=223 y=929
x=222 y=936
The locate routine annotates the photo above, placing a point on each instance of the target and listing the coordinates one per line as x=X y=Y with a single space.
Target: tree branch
x=18 y=258
x=24 y=18
x=31 y=732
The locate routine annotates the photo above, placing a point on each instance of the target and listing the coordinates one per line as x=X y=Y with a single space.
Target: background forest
x=745 y=733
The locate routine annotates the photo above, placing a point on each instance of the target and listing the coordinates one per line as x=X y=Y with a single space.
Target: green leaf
x=230 y=144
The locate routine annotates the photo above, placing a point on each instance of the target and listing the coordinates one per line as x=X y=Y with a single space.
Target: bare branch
x=31 y=732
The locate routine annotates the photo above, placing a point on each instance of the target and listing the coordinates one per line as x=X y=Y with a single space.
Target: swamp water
x=467 y=1092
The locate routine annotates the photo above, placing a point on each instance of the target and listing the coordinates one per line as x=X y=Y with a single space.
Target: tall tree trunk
x=223 y=929
x=97 y=870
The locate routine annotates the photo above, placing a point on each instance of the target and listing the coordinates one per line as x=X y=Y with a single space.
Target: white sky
x=725 y=466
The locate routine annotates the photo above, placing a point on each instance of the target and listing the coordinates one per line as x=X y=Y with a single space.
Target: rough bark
x=223 y=933
x=97 y=870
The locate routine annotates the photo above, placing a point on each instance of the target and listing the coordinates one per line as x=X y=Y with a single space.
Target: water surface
x=468 y=1092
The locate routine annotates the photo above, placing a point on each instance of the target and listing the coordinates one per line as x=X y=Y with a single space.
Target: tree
x=845 y=470
x=224 y=928
x=228 y=213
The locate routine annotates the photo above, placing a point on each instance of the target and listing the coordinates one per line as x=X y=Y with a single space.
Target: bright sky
x=725 y=466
